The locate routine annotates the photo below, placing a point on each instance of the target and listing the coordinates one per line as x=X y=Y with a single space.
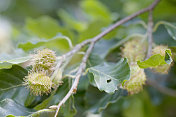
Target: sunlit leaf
x=96 y=9
x=156 y=60
x=70 y=22
x=92 y=30
x=59 y=42
x=8 y=64
x=46 y=27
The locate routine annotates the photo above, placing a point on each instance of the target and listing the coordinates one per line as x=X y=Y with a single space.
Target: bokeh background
x=24 y=23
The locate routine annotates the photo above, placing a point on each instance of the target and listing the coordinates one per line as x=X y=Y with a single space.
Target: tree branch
x=78 y=75
x=161 y=88
x=112 y=27
x=150 y=37
x=86 y=56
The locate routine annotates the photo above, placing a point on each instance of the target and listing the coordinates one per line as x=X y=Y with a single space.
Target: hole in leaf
x=109 y=80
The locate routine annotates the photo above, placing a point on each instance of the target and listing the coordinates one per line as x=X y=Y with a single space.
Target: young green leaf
x=156 y=60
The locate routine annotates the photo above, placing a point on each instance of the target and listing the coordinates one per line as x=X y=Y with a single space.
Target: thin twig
x=149 y=34
x=78 y=75
x=93 y=41
x=112 y=27
x=69 y=55
x=161 y=88
x=153 y=83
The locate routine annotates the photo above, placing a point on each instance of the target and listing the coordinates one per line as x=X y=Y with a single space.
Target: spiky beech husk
x=137 y=80
x=44 y=60
x=162 y=69
x=38 y=83
x=160 y=49
x=134 y=50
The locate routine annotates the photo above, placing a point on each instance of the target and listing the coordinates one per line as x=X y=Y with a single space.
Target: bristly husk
x=137 y=80
x=162 y=69
x=44 y=60
x=134 y=50
x=38 y=83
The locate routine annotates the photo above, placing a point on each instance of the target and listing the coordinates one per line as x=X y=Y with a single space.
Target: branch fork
x=91 y=43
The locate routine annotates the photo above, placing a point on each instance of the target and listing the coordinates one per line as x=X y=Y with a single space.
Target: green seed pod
x=38 y=83
x=44 y=60
x=137 y=80
x=134 y=50
x=162 y=69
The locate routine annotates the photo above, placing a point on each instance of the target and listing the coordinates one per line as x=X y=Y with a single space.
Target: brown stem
x=78 y=75
x=150 y=37
x=112 y=27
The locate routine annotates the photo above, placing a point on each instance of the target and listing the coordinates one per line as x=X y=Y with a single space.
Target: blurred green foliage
x=36 y=24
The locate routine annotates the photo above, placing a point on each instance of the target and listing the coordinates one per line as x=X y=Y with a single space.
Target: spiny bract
x=44 y=60
x=163 y=69
x=38 y=83
x=137 y=80
x=159 y=50
x=134 y=50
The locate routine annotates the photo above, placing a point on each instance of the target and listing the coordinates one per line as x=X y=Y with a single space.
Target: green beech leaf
x=156 y=60
x=107 y=77
x=8 y=107
x=94 y=59
x=11 y=78
x=70 y=21
x=96 y=9
x=11 y=86
x=171 y=29
x=43 y=113
x=60 y=42
x=46 y=27
x=103 y=47
x=92 y=29
x=106 y=100
x=20 y=97
x=42 y=26
x=8 y=64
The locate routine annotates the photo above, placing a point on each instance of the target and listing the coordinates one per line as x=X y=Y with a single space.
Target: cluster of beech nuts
x=44 y=62
x=135 y=50
x=38 y=79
